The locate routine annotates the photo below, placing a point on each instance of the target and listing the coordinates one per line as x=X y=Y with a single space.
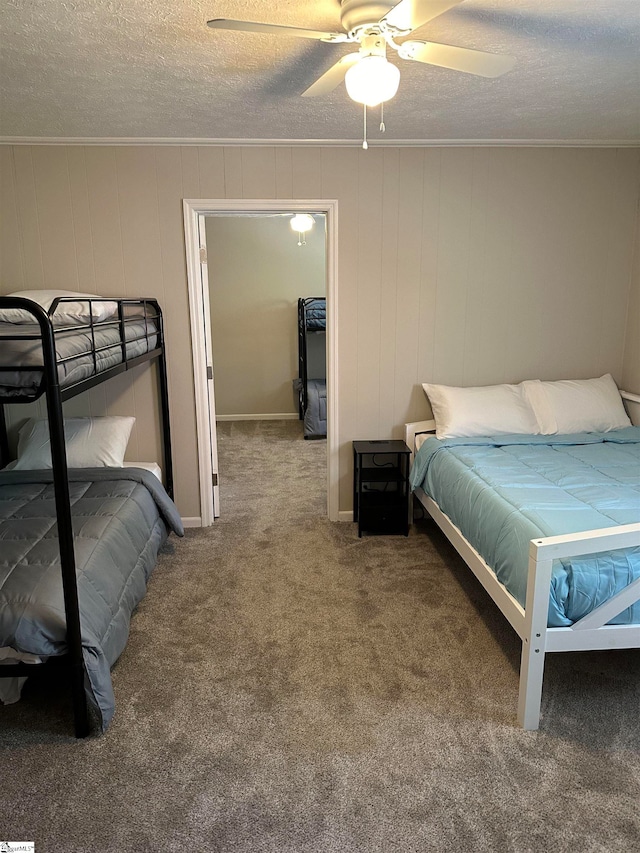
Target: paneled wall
x=456 y=265
x=631 y=367
x=257 y=272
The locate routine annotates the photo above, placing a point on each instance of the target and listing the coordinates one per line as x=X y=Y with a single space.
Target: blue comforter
x=502 y=491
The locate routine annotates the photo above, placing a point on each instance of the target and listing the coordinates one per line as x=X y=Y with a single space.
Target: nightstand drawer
x=384 y=519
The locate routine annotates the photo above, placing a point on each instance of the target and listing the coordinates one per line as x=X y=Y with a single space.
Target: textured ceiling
x=153 y=69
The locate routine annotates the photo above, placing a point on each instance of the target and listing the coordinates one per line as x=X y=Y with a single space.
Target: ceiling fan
x=369 y=77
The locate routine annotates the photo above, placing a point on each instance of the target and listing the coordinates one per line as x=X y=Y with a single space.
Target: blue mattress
x=502 y=491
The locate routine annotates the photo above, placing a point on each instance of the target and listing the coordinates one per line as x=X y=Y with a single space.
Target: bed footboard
x=589 y=633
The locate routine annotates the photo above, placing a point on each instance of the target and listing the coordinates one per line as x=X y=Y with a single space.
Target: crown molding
x=341 y=143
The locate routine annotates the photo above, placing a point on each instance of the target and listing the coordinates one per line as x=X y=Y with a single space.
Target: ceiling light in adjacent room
x=301 y=223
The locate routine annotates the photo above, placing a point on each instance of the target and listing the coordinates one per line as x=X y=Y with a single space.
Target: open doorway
x=196 y=213
x=258 y=271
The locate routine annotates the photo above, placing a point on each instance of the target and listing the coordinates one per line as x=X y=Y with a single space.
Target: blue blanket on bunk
x=315 y=313
x=502 y=491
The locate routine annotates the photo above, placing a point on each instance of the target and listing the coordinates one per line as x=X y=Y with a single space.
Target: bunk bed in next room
x=78 y=542
x=312 y=371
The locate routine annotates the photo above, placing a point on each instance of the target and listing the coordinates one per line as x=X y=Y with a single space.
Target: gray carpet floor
x=290 y=688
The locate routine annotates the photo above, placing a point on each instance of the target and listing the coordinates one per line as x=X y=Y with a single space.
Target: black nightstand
x=381 y=487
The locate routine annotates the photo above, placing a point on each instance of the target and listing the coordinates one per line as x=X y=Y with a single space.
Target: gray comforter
x=74 y=346
x=121 y=518
x=315 y=416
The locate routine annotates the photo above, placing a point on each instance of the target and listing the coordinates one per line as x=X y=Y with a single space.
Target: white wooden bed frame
x=589 y=633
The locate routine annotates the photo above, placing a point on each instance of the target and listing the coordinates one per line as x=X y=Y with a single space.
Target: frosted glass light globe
x=372 y=80
x=302 y=222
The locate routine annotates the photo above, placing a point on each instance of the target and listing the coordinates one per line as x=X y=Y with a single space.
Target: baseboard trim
x=345 y=515
x=278 y=416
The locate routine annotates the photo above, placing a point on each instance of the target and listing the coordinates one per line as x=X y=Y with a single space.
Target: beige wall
x=257 y=271
x=457 y=265
x=631 y=366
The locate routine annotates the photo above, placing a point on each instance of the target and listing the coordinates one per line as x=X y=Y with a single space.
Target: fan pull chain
x=365 y=144
x=382 y=127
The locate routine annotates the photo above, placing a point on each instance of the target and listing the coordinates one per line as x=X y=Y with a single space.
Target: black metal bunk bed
x=312 y=382
x=100 y=361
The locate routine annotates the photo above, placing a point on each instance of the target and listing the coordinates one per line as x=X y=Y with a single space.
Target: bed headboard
x=632 y=405
x=414 y=429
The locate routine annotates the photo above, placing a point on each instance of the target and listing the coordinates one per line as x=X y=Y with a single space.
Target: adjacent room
x=320 y=426
x=266 y=285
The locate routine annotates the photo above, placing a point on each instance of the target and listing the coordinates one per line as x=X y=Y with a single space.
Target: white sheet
x=421 y=437
x=10 y=688
x=148 y=466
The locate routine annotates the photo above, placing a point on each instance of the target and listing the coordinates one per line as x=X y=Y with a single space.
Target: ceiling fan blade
x=457 y=58
x=331 y=78
x=411 y=14
x=275 y=29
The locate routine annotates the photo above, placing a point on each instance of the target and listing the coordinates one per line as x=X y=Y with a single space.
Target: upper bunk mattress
x=120 y=520
x=76 y=346
x=503 y=491
x=315 y=313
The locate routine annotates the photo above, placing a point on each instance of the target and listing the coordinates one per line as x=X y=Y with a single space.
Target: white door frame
x=193 y=209
x=208 y=358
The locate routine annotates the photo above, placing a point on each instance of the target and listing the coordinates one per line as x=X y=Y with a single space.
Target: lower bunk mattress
x=503 y=491
x=315 y=414
x=121 y=518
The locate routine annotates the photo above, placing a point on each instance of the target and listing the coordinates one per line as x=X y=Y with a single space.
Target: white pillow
x=65 y=314
x=91 y=443
x=577 y=405
x=484 y=410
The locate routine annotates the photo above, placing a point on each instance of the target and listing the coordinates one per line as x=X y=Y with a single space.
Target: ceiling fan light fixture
x=302 y=222
x=372 y=80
